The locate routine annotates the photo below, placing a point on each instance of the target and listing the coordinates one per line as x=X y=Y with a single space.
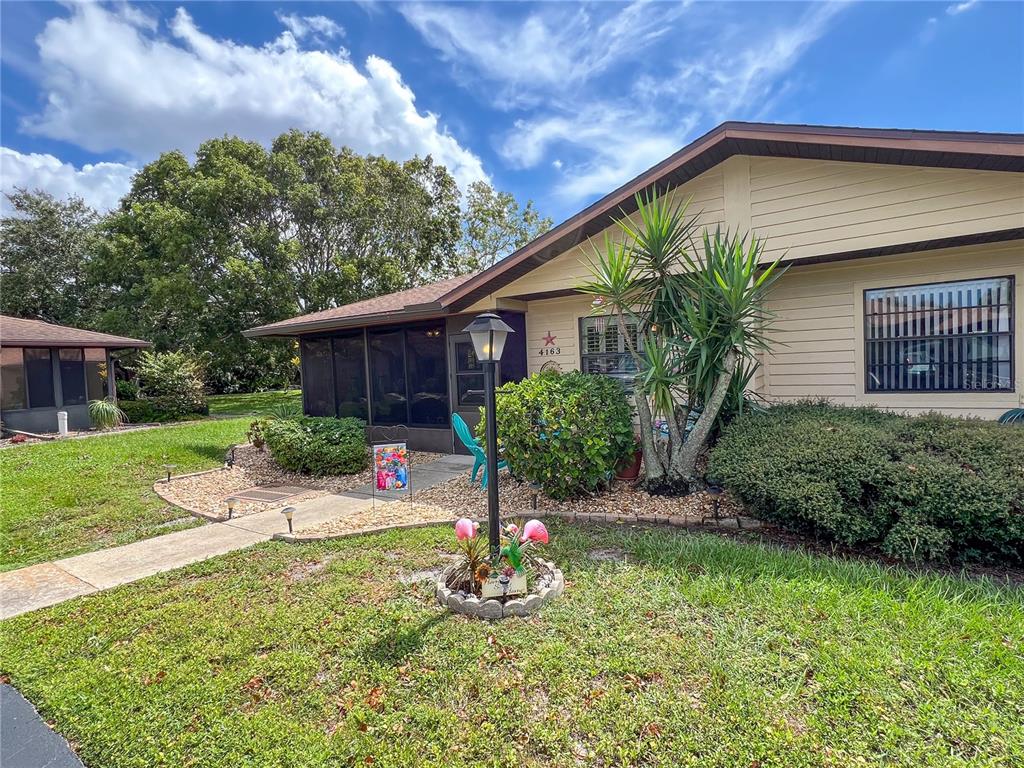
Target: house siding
x=707 y=200
x=818 y=333
x=813 y=208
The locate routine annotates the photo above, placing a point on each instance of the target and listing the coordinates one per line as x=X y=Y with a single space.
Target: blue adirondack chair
x=480 y=458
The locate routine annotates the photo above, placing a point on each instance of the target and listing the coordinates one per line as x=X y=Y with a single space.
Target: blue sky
x=557 y=102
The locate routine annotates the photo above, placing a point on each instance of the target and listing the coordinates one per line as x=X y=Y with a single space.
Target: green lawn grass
x=253 y=403
x=66 y=497
x=698 y=651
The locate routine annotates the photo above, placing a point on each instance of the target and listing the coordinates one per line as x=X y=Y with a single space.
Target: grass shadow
x=214 y=452
x=398 y=644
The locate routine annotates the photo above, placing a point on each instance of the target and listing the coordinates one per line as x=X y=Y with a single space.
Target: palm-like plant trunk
x=684 y=461
x=654 y=467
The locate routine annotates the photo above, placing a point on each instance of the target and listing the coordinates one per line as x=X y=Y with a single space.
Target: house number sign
x=550 y=349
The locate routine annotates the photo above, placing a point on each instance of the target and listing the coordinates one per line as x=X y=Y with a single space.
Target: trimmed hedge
x=145 y=411
x=318 y=445
x=565 y=431
x=920 y=488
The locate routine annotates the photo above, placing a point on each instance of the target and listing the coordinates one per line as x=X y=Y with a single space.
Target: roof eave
x=932 y=142
x=411 y=313
x=75 y=343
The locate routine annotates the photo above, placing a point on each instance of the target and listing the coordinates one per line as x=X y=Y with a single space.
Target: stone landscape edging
x=185 y=507
x=493 y=609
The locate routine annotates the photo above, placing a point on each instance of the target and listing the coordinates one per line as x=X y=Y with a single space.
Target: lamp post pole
x=491 y=416
x=489 y=332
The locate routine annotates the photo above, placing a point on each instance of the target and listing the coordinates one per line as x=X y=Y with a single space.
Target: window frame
x=627 y=378
x=1010 y=334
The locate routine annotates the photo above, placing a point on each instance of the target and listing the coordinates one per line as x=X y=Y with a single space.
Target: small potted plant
x=629 y=468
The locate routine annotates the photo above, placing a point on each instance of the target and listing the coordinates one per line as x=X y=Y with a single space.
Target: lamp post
x=489 y=332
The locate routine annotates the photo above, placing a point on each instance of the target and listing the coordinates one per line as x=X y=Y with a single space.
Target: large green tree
x=44 y=247
x=194 y=255
x=494 y=225
x=244 y=235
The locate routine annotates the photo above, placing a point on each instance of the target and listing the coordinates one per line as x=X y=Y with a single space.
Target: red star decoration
x=549 y=340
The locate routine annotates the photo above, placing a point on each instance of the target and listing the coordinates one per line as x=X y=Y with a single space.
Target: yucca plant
x=701 y=319
x=473 y=564
x=105 y=414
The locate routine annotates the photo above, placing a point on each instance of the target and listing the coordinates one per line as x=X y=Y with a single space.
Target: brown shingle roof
x=421 y=300
x=19 y=332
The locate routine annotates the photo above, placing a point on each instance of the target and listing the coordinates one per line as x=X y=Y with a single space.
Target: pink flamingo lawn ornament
x=535 y=531
x=466 y=529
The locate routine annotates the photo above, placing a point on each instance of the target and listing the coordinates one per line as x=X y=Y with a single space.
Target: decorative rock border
x=162 y=482
x=492 y=608
x=743 y=522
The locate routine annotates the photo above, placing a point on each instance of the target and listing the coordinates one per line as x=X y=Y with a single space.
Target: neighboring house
x=904 y=289
x=45 y=368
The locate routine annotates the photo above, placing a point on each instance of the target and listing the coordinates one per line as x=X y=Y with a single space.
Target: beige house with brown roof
x=904 y=289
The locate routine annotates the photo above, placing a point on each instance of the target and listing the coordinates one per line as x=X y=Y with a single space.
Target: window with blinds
x=941 y=337
x=604 y=348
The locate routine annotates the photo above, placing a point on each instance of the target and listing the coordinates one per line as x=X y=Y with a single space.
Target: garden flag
x=391 y=467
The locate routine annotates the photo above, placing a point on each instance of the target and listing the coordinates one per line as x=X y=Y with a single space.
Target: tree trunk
x=654 y=469
x=686 y=461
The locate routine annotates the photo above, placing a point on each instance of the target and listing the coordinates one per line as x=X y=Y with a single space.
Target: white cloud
x=726 y=87
x=614 y=123
x=317 y=28
x=612 y=144
x=112 y=83
x=101 y=185
x=958 y=8
x=553 y=49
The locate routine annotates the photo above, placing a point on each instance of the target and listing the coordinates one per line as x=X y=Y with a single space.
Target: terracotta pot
x=630 y=470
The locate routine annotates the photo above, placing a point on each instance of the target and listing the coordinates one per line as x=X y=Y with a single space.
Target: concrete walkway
x=38 y=586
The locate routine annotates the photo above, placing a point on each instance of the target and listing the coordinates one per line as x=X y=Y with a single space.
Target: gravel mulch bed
x=206 y=493
x=388 y=513
x=622 y=499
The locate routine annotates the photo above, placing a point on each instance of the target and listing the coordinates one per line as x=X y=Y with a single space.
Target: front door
x=467 y=382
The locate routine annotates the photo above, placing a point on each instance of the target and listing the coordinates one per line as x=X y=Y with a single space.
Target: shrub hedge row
x=147 y=411
x=920 y=488
x=318 y=445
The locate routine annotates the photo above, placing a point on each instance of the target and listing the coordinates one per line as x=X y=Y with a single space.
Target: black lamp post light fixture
x=169 y=468
x=288 y=512
x=231 y=501
x=489 y=332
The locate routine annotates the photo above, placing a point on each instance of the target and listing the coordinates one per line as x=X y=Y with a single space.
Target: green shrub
x=173 y=384
x=919 y=488
x=138 y=411
x=145 y=412
x=126 y=389
x=255 y=435
x=567 y=432
x=318 y=445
